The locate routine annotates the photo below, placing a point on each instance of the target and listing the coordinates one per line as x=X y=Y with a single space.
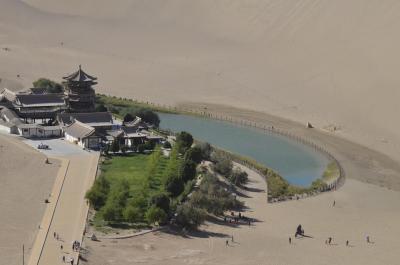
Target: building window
x=26 y=130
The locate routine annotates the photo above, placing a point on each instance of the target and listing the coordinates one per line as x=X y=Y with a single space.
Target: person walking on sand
x=61 y=247
x=334 y=203
x=368 y=241
x=347 y=243
x=329 y=240
x=226 y=243
x=63 y=259
x=232 y=238
x=290 y=240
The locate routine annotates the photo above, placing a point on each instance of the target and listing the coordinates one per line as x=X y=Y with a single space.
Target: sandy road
x=69 y=216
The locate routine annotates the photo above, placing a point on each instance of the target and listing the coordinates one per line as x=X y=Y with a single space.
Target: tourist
x=61 y=247
x=368 y=241
x=226 y=243
x=290 y=240
x=63 y=259
x=232 y=238
x=334 y=203
x=54 y=234
x=347 y=243
x=329 y=240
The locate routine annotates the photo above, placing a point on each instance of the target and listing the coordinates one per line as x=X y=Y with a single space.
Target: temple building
x=79 y=91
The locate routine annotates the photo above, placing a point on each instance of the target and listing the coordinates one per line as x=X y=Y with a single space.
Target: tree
x=115 y=147
x=132 y=214
x=184 y=141
x=148 y=116
x=206 y=150
x=129 y=117
x=97 y=195
x=51 y=86
x=151 y=167
x=101 y=108
x=174 y=185
x=155 y=215
x=194 y=154
x=188 y=170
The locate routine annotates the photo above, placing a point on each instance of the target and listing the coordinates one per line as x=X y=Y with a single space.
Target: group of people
x=328 y=241
x=75 y=247
x=236 y=219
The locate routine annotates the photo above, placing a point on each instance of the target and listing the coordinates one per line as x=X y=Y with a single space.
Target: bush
x=51 y=86
x=194 y=154
x=184 y=141
x=238 y=177
x=155 y=215
x=189 y=216
x=222 y=164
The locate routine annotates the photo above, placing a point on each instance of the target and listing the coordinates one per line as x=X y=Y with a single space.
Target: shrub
x=222 y=164
x=115 y=147
x=238 y=177
x=155 y=215
x=189 y=216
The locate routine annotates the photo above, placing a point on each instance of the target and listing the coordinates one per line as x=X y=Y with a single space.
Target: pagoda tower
x=80 y=94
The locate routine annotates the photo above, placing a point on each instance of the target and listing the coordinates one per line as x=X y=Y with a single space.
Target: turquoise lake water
x=297 y=163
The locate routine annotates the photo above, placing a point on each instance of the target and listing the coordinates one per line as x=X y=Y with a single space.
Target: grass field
x=133 y=169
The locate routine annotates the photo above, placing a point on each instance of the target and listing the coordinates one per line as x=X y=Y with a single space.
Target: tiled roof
x=40 y=99
x=104 y=118
x=79 y=130
x=80 y=76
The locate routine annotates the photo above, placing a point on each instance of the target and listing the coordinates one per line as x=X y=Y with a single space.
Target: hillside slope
x=327 y=62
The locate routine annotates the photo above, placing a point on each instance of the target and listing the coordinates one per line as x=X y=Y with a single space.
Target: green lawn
x=133 y=169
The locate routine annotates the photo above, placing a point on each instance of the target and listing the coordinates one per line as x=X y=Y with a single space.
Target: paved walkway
x=66 y=212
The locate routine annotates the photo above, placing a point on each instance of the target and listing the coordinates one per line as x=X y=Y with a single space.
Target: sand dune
x=328 y=62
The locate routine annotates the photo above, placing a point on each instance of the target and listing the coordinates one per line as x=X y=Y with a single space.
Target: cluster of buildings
x=34 y=113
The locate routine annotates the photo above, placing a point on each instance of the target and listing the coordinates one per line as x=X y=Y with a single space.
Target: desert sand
x=332 y=63
x=266 y=240
x=25 y=182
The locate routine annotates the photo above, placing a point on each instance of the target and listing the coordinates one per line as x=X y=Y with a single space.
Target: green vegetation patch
x=331 y=172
